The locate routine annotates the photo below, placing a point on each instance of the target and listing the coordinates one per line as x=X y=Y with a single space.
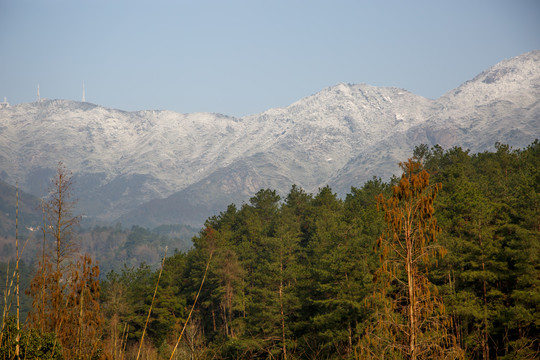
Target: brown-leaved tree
x=65 y=290
x=410 y=320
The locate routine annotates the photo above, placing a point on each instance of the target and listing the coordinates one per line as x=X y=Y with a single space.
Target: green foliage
x=289 y=278
x=33 y=344
x=126 y=298
x=489 y=213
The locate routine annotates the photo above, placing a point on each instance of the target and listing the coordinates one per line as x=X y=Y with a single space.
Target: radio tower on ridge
x=83 y=94
x=38 y=97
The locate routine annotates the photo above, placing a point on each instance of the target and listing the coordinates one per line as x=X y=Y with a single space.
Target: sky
x=244 y=57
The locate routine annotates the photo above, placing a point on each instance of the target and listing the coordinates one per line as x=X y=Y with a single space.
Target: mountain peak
x=519 y=69
x=342 y=135
x=514 y=80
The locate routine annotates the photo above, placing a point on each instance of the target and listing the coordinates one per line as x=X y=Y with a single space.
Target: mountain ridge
x=342 y=135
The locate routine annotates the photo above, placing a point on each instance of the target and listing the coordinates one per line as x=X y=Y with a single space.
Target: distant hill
x=29 y=211
x=161 y=167
x=29 y=218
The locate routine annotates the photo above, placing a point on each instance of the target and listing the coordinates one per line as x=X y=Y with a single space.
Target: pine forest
x=440 y=262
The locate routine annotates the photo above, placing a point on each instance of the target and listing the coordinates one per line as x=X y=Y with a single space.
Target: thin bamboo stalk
x=151 y=304
x=193 y=306
x=124 y=342
x=17 y=345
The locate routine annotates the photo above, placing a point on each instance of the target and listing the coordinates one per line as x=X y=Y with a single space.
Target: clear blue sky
x=243 y=57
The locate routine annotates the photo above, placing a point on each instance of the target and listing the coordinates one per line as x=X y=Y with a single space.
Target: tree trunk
x=485 y=344
x=284 y=347
x=412 y=297
x=17 y=340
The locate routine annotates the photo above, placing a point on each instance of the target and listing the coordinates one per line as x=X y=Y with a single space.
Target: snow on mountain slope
x=502 y=104
x=342 y=135
x=156 y=152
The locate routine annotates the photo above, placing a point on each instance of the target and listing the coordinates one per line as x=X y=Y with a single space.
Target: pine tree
x=489 y=215
x=410 y=315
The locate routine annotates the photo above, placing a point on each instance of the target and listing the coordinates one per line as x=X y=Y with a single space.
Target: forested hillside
x=313 y=276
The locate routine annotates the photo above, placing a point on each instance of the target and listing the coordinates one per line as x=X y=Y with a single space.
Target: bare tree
x=65 y=291
x=59 y=219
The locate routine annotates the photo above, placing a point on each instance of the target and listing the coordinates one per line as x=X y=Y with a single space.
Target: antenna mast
x=38 y=97
x=83 y=94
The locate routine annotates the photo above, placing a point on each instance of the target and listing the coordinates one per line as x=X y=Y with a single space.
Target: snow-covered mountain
x=152 y=167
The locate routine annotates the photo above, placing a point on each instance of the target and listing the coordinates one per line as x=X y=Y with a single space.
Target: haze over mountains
x=161 y=167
